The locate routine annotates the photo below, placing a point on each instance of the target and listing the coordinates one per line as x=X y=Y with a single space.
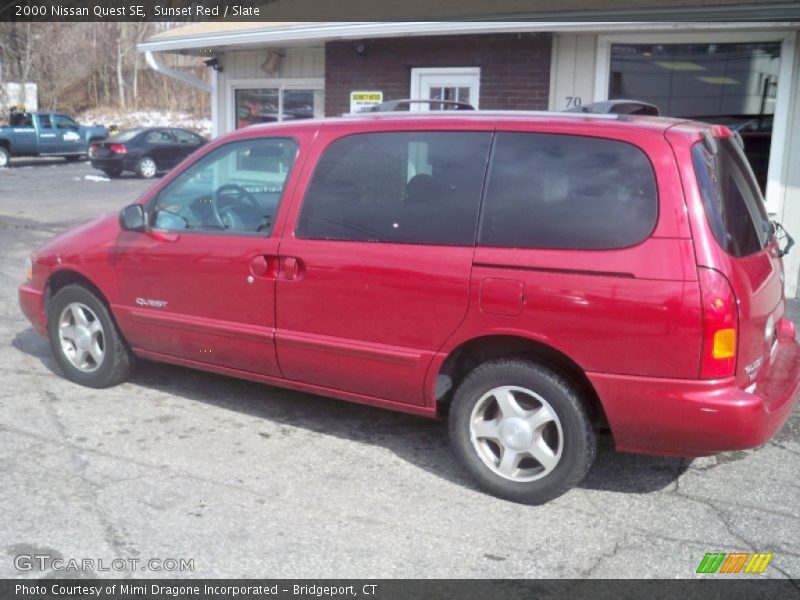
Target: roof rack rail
x=394 y=105
x=618 y=107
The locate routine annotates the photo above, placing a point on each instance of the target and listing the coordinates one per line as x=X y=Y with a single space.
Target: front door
x=68 y=139
x=199 y=285
x=49 y=136
x=375 y=275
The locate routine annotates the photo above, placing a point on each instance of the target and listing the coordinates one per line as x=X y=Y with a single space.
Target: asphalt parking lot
x=248 y=480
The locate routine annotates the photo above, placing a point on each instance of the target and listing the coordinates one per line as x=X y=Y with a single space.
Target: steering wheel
x=224 y=201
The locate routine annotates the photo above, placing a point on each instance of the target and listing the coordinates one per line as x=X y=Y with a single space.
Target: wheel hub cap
x=516 y=434
x=83 y=339
x=81 y=335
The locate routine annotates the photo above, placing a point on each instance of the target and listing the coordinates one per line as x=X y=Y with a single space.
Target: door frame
x=776 y=176
x=418 y=73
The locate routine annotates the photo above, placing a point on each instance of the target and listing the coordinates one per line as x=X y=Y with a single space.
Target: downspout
x=184 y=77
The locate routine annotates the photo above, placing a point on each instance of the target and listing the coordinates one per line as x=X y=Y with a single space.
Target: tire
x=5 y=158
x=92 y=355
x=112 y=173
x=146 y=168
x=542 y=414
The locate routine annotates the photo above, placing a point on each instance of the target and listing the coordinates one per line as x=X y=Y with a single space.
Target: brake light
x=720 y=321
x=93 y=148
x=118 y=149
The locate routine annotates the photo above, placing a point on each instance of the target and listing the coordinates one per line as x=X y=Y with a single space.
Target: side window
x=64 y=122
x=567 y=192
x=185 y=137
x=159 y=137
x=403 y=187
x=233 y=190
x=44 y=122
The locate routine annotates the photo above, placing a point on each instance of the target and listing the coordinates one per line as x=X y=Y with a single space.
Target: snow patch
x=147 y=118
x=95 y=178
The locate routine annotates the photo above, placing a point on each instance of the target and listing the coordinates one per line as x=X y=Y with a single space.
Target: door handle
x=292 y=268
x=264 y=266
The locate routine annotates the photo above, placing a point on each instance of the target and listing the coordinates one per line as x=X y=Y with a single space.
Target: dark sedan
x=145 y=151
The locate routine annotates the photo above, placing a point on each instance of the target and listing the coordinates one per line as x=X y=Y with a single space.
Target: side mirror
x=132 y=218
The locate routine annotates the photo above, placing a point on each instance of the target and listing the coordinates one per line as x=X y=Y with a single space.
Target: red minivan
x=534 y=277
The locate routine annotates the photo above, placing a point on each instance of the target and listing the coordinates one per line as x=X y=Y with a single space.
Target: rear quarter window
x=567 y=192
x=731 y=198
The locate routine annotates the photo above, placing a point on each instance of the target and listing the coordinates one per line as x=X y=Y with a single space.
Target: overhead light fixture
x=272 y=63
x=679 y=65
x=719 y=80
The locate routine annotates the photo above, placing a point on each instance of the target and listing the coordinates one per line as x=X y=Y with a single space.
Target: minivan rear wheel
x=521 y=430
x=85 y=339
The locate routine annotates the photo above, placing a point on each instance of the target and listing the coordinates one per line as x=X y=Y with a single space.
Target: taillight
x=93 y=148
x=118 y=149
x=720 y=320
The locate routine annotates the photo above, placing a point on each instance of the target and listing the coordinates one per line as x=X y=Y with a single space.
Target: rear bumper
x=696 y=417
x=31 y=302
x=123 y=164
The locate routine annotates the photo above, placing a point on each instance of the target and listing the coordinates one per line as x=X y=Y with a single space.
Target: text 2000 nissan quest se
x=535 y=277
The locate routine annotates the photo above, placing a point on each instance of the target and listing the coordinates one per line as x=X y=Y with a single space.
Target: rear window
x=127 y=135
x=567 y=192
x=732 y=200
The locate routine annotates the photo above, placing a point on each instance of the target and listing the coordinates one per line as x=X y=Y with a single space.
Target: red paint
x=374 y=322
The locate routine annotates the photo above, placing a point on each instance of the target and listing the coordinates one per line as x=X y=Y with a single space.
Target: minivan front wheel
x=85 y=340
x=521 y=430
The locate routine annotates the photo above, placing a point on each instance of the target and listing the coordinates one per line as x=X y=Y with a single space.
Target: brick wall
x=515 y=68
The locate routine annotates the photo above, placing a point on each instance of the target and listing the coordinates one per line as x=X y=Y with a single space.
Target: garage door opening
x=734 y=84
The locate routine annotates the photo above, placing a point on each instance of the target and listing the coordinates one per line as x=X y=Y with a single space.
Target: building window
x=461 y=84
x=280 y=103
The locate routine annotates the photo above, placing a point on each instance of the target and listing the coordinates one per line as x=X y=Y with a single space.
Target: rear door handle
x=292 y=268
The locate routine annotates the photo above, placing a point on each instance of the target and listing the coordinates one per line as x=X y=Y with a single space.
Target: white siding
x=790 y=215
x=572 y=70
x=302 y=63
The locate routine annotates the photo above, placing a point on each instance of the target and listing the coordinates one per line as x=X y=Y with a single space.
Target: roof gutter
x=321 y=32
x=180 y=76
